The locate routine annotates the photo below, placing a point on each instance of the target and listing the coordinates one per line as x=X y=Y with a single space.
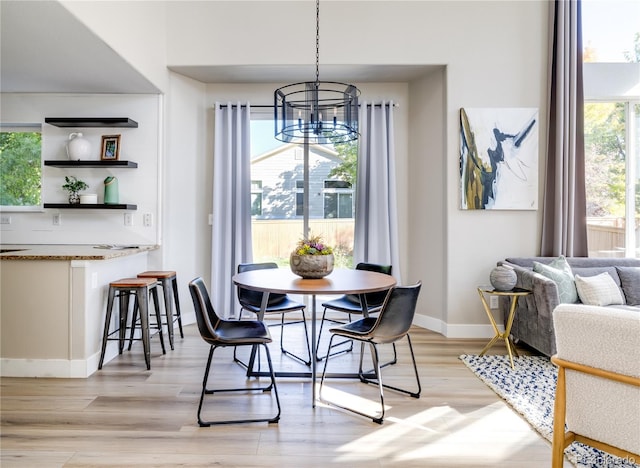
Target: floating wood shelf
x=106 y=163
x=122 y=122
x=87 y=206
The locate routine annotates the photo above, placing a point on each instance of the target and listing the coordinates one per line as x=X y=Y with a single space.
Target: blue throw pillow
x=560 y=272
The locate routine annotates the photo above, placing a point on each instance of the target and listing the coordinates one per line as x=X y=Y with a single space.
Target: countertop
x=69 y=252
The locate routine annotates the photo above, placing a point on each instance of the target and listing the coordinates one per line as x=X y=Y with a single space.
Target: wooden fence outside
x=276 y=238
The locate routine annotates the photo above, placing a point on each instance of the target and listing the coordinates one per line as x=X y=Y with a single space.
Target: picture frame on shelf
x=110 y=148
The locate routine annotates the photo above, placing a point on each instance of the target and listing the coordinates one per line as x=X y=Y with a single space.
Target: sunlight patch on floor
x=440 y=432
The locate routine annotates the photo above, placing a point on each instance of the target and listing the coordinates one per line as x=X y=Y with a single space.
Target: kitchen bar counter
x=69 y=252
x=53 y=302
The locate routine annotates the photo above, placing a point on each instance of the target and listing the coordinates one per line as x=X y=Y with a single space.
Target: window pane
x=20 y=168
x=605 y=152
x=330 y=205
x=280 y=168
x=346 y=205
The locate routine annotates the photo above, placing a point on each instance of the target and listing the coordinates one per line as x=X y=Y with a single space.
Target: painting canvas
x=499 y=158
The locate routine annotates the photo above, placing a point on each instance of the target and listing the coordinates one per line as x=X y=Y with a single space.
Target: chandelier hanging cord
x=317 y=41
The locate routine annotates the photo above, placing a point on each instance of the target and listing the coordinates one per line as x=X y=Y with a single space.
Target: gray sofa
x=533 y=322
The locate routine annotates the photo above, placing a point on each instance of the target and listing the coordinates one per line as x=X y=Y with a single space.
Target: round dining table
x=340 y=281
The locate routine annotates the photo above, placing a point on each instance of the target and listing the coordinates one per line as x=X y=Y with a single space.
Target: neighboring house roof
x=322 y=150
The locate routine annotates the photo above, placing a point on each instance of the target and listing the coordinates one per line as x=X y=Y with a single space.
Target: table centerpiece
x=312 y=259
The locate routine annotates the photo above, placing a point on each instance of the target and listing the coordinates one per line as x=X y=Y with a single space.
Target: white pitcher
x=77 y=147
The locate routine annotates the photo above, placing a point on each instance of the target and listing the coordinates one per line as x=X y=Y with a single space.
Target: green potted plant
x=73 y=186
x=312 y=259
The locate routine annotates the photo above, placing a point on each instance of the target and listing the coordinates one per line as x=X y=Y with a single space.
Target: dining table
x=284 y=281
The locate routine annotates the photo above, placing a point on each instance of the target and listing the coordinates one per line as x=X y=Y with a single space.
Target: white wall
x=136 y=186
x=494 y=54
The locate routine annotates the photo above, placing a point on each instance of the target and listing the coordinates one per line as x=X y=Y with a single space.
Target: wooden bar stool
x=123 y=289
x=168 y=281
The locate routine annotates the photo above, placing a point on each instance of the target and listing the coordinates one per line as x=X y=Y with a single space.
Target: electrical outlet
x=210 y=220
x=5 y=219
x=147 y=219
x=57 y=219
x=128 y=219
x=493 y=302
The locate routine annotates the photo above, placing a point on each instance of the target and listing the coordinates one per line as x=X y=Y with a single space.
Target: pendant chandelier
x=316 y=111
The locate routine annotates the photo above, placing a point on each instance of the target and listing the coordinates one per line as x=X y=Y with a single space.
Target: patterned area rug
x=530 y=390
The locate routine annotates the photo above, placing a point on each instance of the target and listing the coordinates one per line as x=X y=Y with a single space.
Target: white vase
x=78 y=147
x=311 y=266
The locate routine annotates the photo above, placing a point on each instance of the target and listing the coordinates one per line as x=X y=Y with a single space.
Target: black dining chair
x=392 y=324
x=277 y=304
x=224 y=333
x=350 y=305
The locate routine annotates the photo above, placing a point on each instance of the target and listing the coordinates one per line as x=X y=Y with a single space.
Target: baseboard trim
x=455 y=330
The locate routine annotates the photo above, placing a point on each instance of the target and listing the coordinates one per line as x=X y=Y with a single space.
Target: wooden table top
x=340 y=281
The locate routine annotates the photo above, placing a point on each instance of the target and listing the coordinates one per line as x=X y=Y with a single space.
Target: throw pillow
x=599 y=290
x=560 y=272
x=630 y=280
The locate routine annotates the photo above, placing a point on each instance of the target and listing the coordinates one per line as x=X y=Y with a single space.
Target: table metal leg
x=313 y=351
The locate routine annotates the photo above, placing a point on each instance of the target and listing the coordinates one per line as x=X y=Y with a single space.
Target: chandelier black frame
x=316 y=111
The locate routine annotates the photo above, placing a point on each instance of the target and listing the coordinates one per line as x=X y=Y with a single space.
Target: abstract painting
x=499 y=159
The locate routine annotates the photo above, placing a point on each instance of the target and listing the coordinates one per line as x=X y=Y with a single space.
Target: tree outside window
x=20 y=168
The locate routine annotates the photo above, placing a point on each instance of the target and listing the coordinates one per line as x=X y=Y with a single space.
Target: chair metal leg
x=415 y=394
x=329 y=353
x=377 y=419
x=176 y=299
x=107 y=323
x=306 y=338
x=377 y=381
x=207 y=391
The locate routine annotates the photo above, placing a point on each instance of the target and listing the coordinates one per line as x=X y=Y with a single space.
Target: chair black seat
x=348 y=305
x=283 y=305
x=235 y=333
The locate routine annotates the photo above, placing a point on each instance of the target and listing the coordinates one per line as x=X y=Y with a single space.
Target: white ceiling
x=45 y=49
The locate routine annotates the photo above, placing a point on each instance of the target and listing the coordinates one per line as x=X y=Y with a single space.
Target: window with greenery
x=20 y=168
x=612 y=127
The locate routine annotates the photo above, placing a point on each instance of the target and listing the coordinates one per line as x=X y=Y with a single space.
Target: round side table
x=514 y=294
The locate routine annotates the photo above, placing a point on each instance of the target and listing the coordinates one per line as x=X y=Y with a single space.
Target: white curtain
x=231 y=229
x=376 y=227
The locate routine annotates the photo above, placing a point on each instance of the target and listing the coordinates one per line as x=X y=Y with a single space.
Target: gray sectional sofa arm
x=534 y=313
x=533 y=321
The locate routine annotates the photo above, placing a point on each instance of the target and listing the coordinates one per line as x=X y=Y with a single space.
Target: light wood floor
x=125 y=415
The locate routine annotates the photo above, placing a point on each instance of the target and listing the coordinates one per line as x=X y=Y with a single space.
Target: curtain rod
x=270 y=106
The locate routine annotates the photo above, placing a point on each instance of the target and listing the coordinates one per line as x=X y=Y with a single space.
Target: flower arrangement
x=312 y=246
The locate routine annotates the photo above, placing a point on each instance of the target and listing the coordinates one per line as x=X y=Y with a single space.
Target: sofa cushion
x=630 y=281
x=598 y=290
x=560 y=272
x=593 y=271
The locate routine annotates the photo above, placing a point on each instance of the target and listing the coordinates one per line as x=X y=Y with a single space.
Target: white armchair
x=598 y=391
